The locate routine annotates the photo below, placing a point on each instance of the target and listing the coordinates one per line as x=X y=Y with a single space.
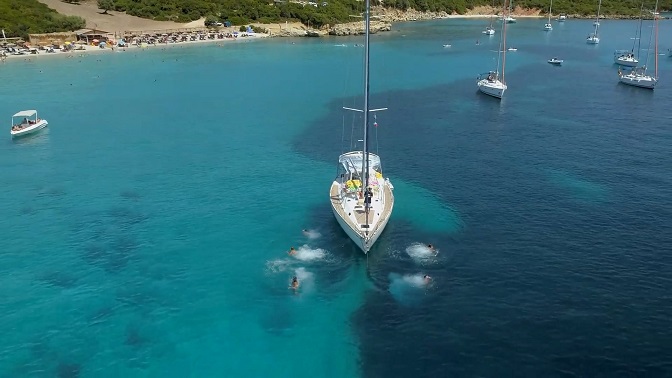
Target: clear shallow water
x=145 y=232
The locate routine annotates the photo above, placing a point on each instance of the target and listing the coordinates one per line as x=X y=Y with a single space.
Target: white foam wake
x=421 y=253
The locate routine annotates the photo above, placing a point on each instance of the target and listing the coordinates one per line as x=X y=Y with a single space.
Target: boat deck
x=376 y=213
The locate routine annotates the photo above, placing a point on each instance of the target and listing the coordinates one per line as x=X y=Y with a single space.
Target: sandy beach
x=83 y=50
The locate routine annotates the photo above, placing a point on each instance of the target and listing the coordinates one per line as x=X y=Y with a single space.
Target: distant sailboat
x=490 y=30
x=508 y=18
x=361 y=198
x=627 y=58
x=593 y=38
x=638 y=76
x=548 y=26
x=492 y=83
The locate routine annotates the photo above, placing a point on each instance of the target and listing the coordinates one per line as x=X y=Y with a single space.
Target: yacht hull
x=363 y=241
x=626 y=62
x=30 y=130
x=646 y=82
x=495 y=90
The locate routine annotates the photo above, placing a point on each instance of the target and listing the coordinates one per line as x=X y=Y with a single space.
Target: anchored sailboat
x=491 y=83
x=507 y=17
x=627 y=58
x=490 y=30
x=593 y=37
x=361 y=198
x=548 y=26
x=637 y=76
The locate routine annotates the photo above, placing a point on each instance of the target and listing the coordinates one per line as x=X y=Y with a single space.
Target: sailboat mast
x=365 y=163
x=503 y=49
x=648 y=50
x=655 y=25
x=550 y=10
x=641 y=20
x=597 y=20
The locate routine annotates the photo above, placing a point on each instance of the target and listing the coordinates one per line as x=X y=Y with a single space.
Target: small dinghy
x=555 y=61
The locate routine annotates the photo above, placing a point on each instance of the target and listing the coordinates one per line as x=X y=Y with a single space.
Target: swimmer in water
x=306 y=232
x=432 y=249
x=295 y=283
x=426 y=277
x=292 y=252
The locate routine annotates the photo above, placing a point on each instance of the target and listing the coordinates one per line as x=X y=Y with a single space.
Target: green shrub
x=22 y=17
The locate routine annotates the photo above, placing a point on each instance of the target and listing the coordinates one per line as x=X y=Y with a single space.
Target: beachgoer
x=292 y=251
x=295 y=283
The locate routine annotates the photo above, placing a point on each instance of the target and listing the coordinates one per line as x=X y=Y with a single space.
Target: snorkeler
x=295 y=283
x=426 y=277
x=432 y=249
x=292 y=251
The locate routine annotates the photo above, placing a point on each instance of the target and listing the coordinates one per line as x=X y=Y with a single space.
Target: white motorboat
x=562 y=17
x=361 y=197
x=28 y=125
x=555 y=61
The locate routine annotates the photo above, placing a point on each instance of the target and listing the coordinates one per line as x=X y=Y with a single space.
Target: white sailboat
x=361 y=198
x=627 y=58
x=638 y=76
x=593 y=37
x=507 y=18
x=490 y=30
x=492 y=83
x=548 y=26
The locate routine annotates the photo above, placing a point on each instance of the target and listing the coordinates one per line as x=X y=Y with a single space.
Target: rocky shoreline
x=386 y=16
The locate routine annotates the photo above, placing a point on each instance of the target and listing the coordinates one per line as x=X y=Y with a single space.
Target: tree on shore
x=105 y=5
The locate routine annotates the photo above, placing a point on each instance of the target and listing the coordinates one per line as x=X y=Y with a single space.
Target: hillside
x=18 y=18
x=21 y=17
x=114 y=21
x=323 y=12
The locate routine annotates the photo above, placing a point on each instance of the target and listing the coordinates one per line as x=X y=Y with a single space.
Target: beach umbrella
x=95 y=41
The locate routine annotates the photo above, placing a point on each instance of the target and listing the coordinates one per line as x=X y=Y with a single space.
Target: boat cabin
x=23 y=119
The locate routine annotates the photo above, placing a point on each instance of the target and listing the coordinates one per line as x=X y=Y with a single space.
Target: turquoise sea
x=144 y=232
